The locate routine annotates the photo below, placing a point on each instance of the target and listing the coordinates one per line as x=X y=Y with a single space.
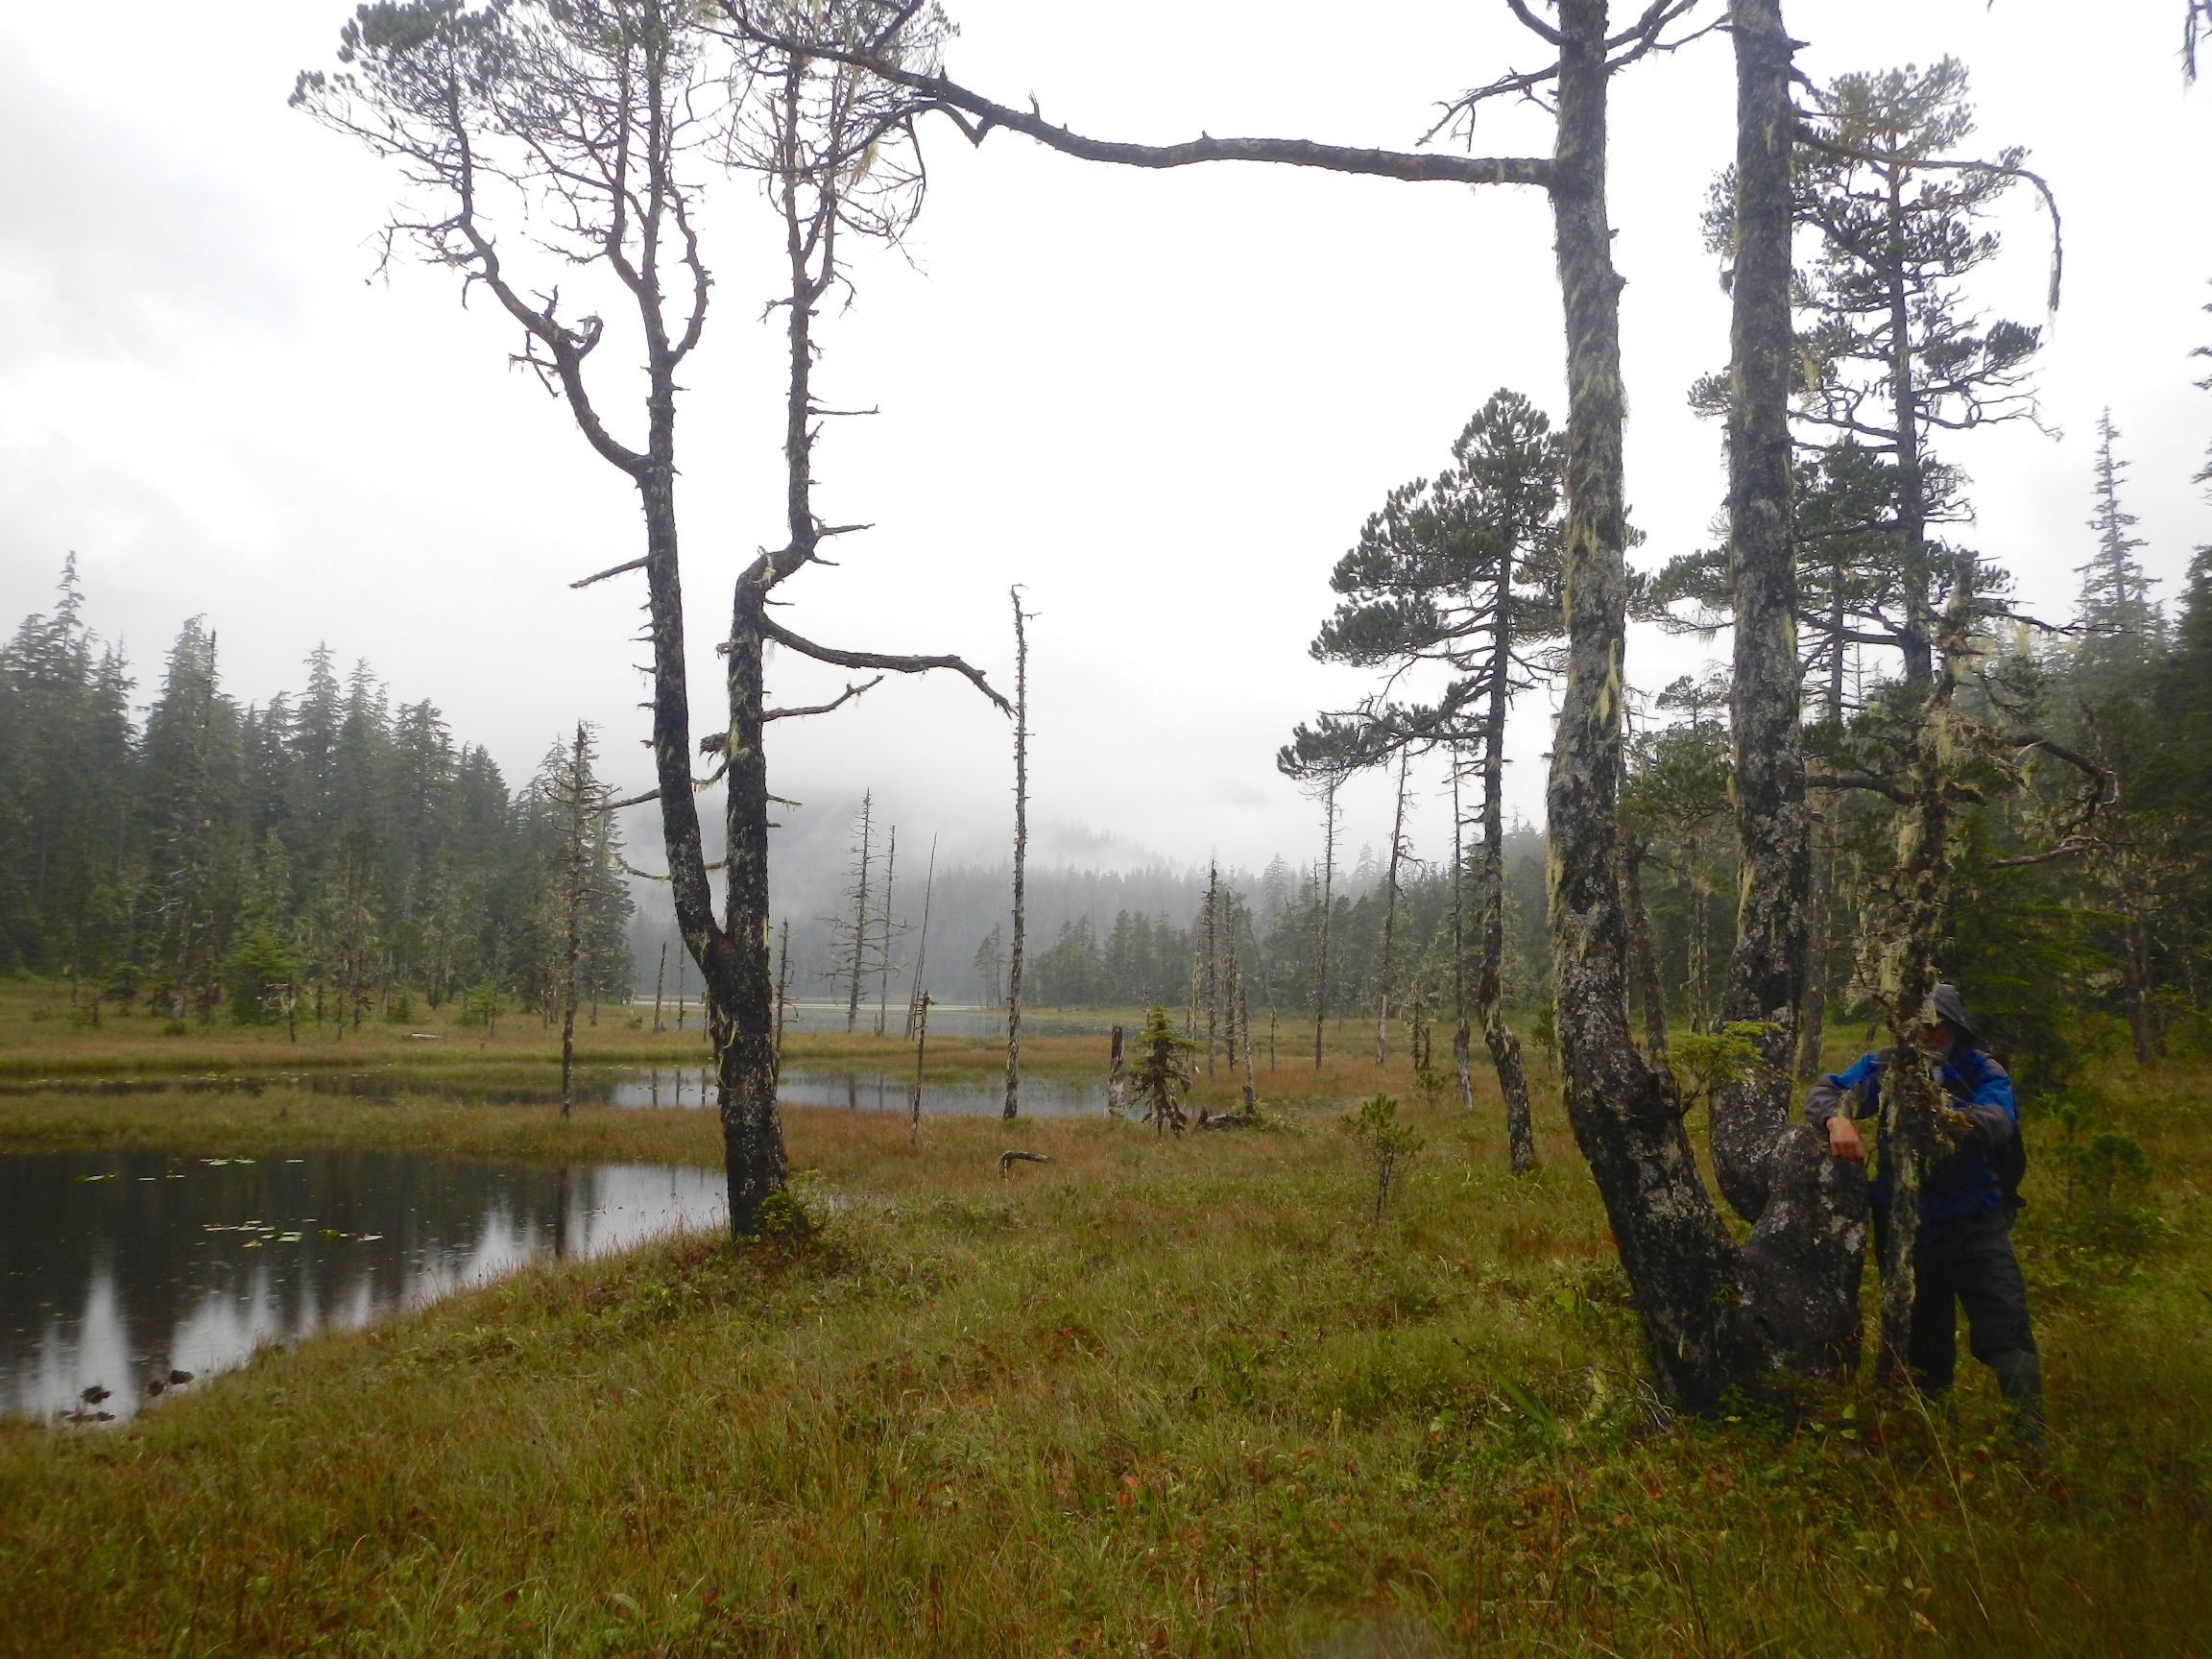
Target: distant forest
x=329 y=856
x=1120 y=939
x=324 y=857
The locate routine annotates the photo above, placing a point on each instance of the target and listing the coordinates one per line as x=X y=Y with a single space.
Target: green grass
x=1154 y=1397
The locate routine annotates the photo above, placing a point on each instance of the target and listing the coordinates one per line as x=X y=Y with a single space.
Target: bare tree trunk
x=1821 y=904
x=1013 y=1107
x=1390 y=918
x=1115 y=1082
x=1489 y=987
x=922 y=945
x=741 y=993
x=1209 y=972
x=1920 y=893
x=1802 y=1262
x=1765 y=973
x=1231 y=982
x=884 y=950
x=858 y=968
x=1626 y=1119
x=920 y=1053
x=1459 y=1032
x=1328 y=892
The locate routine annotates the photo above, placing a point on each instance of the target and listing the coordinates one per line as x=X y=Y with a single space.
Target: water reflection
x=945 y=1019
x=117 y=1269
x=865 y=1092
x=689 y=1087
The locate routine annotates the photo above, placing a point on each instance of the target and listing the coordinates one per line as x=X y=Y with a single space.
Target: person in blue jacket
x=1964 y=1257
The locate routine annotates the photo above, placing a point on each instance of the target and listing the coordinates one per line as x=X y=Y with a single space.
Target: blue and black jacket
x=1967 y=1183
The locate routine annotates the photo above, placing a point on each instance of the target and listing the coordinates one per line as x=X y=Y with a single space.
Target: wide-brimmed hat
x=1951 y=1009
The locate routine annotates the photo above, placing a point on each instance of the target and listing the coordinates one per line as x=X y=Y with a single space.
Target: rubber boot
x=2019 y=1380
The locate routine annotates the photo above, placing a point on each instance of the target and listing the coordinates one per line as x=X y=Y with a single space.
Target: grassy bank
x=1151 y=1397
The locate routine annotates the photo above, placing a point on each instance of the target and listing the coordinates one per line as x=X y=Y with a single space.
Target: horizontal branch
x=838 y=659
x=839 y=701
x=2065 y=849
x=613 y=570
x=954 y=101
x=2097 y=771
x=1866 y=781
x=630 y=868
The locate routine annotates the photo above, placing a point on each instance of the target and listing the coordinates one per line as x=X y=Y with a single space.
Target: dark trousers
x=1970 y=1265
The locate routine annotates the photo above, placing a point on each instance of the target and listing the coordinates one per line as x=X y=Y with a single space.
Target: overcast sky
x=1163 y=402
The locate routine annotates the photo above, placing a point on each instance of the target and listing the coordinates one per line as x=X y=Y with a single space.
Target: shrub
x=1389 y=1144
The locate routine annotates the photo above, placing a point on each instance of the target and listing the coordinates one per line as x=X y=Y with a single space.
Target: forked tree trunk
x=1625 y=1116
x=1803 y=1261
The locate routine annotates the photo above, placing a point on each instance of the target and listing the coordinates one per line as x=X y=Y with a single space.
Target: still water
x=862 y=1091
x=118 y=1268
x=647 y=1085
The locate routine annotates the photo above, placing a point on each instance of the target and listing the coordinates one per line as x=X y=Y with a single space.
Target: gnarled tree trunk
x=1627 y=1117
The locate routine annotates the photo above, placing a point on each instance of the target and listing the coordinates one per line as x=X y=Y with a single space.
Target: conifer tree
x=2121 y=629
x=1458 y=573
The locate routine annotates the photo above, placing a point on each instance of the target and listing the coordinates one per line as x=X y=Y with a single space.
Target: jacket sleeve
x=1849 y=1092
x=1988 y=1102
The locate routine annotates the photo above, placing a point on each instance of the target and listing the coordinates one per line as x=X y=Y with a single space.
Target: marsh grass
x=1150 y=1397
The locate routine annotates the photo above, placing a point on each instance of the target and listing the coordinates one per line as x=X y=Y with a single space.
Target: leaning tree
x=578 y=131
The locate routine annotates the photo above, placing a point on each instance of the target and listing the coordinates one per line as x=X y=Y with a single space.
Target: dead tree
x=1390 y=917
x=922 y=944
x=1209 y=975
x=1013 y=1107
x=1326 y=884
x=851 y=963
x=589 y=118
x=1020 y=857
x=883 y=934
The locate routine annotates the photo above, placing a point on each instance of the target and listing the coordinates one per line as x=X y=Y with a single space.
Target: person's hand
x=1843 y=1140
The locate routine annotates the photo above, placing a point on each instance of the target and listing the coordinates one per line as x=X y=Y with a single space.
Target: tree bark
x=1650 y=989
x=1459 y=1031
x=1802 y=1263
x=1920 y=893
x=1328 y=888
x=1625 y=1117
x=1489 y=984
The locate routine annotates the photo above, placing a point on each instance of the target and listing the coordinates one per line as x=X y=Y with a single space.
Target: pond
x=983 y=1094
x=118 y=1269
